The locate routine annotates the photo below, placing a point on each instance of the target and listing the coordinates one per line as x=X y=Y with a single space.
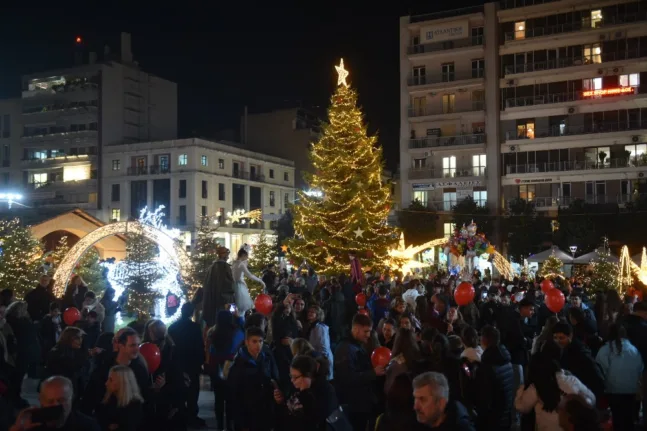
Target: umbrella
x=594 y=256
x=540 y=257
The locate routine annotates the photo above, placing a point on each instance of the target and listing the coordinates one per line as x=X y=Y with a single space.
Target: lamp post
x=10 y=198
x=573 y=249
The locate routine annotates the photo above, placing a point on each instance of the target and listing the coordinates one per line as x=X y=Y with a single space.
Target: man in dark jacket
x=495 y=383
x=355 y=376
x=252 y=380
x=189 y=348
x=335 y=312
x=434 y=410
x=38 y=300
x=636 y=324
x=269 y=278
x=218 y=288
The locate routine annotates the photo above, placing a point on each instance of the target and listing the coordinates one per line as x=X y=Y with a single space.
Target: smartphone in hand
x=46 y=414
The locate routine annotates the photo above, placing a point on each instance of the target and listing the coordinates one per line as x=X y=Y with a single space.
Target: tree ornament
x=358 y=232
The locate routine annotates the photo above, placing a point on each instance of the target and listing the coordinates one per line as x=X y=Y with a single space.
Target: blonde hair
x=301 y=346
x=162 y=338
x=319 y=311
x=128 y=387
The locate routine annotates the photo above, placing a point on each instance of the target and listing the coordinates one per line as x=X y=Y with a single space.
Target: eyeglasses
x=295 y=378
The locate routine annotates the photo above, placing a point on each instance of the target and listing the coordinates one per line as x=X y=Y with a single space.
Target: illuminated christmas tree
x=265 y=251
x=57 y=255
x=348 y=210
x=204 y=253
x=20 y=258
x=552 y=268
x=92 y=272
x=141 y=274
x=604 y=274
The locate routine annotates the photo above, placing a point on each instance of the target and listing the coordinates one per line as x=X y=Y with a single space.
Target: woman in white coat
x=239 y=270
x=547 y=385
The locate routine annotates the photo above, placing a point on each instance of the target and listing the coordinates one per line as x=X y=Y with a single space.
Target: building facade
x=532 y=99
x=68 y=118
x=193 y=179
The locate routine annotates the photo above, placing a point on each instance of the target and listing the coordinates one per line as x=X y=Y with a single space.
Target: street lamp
x=10 y=198
x=573 y=249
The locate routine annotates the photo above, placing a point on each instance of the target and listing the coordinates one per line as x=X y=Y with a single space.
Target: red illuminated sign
x=608 y=92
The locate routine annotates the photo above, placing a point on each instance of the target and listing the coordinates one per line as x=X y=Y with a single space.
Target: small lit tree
x=56 y=256
x=141 y=274
x=20 y=257
x=552 y=268
x=92 y=272
x=264 y=253
x=205 y=251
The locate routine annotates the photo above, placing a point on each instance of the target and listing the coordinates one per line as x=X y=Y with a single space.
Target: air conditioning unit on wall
x=571 y=110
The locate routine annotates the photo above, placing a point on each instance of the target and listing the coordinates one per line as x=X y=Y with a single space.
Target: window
x=478 y=165
x=565 y=193
x=419 y=163
x=421 y=196
x=183 y=160
x=182 y=215
x=592 y=53
x=596 y=18
x=271 y=199
x=419 y=106
x=448 y=103
x=164 y=164
x=271 y=173
x=449 y=201
x=636 y=153
x=221 y=163
x=6 y=126
x=204 y=190
x=115 y=193
x=116 y=165
x=594 y=83
x=632 y=80
x=478 y=68
x=447 y=71
x=203 y=211
x=286 y=200
x=448 y=229
x=480 y=197
x=526 y=130
x=182 y=191
x=141 y=162
x=221 y=192
x=116 y=214
x=286 y=176
x=236 y=170
x=527 y=192
x=520 y=30
x=39 y=179
x=477 y=35
x=449 y=167
x=419 y=75
x=204 y=161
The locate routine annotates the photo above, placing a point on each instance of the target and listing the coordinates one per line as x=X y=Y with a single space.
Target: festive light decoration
x=466 y=242
x=625 y=270
x=403 y=258
x=552 y=268
x=204 y=252
x=264 y=252
x=343 y=158
x=342 y=73
x=502 y=265
x=20 y=254
x=241 y=216
x=643 y=261
x=609 y=92
x=605 y=273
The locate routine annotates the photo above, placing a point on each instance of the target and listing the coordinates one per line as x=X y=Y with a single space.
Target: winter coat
x=379 y=308
x=49 y=332
x=473 y=354
x=577 y=359
x=189 y=345
x=27 y=341
x=354 y=377
x=528 y=399
x=111 y=308
x=218 y=290
x=495 y=380
x=456 y=419
x=308 y=409
x=512 y=335
x=252 y=390
x=335 y=311
x=76 y=421
x=38 y=301
x=97 y=308
x=622 y=371
x=320 y=340
x=68 y=362
x=126 y=418
x=637 y=333
x=397 y=366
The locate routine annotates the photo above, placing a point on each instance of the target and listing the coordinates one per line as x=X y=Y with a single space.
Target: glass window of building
x=183 y=160
x=527 y=192
x=478 y=165
x=422 y=196
x=449 y=167
x=520 y=30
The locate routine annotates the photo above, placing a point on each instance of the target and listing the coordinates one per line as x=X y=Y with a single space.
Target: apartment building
x=194 y=178
x=10 y=132
x=68 y=117
x=537 y=99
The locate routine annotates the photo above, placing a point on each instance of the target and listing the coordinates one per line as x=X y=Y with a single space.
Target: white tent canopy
x=541 y=257
x=594 y=256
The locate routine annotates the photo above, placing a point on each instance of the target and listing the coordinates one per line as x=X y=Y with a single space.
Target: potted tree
x=602 y=155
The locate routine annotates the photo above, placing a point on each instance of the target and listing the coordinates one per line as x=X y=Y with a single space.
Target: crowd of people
x=502 y=362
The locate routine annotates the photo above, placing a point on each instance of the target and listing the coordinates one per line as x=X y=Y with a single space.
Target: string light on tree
x=342 y=73
x=241 y=216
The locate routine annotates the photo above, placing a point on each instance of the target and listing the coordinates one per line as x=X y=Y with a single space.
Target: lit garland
x=625 y=269
x=552 y=268
x=502 y=265
x=241 y=216
x=403 y=259
x=20 y=257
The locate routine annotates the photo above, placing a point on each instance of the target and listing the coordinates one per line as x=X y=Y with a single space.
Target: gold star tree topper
x=342 y=73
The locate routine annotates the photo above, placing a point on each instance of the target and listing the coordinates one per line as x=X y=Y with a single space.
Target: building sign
x=609 y=92
x=533 y=180
x=422 y=187
x=445 y=31
x=458 y=184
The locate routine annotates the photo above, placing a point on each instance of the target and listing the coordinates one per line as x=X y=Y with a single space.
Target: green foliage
x=204 y=253
x=92 y=273
x=418 y=223
x=20 y=258
x=525 y=230
x=141 y=274
x=467 y=210
x=605 y=273
x=264 y=252
x=57 y=255
x=284 y=228
x=551 y=268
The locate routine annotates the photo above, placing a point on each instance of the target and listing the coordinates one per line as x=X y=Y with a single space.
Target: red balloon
x=464 y=293
x=263 y=304
x=555 y=300
x=151 y=354
x=360 y=299
x=381 y=356
x=71 y=316
x=363 y=311
x=547 y=285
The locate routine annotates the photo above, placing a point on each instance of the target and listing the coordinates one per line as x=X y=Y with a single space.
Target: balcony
x=447 y=141
x=59 y=159
x=577 y=26
x=511 y=4
x=426 y=48
x=429 y=173
x=564 y=130
x=447 y=206
x=565 y=201
x=413 y=81
x=59 y=136
x=159 y=169
x=424 y=111
x=573 y=165
x=561 y=63
x=547 y=99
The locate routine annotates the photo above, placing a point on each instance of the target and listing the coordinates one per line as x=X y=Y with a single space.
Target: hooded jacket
x=495 y=381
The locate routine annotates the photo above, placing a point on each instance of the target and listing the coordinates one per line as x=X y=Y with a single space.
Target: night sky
x=224 y=56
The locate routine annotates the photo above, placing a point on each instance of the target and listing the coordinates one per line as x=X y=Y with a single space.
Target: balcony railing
x=565 y=201
x=425 y=173
x=137 y=170
x=422 y=111
x=444 y=46
x=447 y=141
x=560 y=63
x=511 y=4
x=446 y=206
x=573 y=165
x=545 y=99
x=576 y=26
x=445 y=77
x=564 y=130
x=159 y=169
x=421 y=173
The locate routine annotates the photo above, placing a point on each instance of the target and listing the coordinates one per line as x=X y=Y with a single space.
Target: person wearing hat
x=218 y=289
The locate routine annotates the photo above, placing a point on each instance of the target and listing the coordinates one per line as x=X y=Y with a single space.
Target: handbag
x=337 y=421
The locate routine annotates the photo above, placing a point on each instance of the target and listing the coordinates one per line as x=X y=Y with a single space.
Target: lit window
x=448 y=103
x=592 y=53
x=449 y=201
x=116 y=214
x=449 y=166
x=596 y=18
x=478 y=165
x=480 y=197
x=422 y=196
x=39 y=179
x=76 y=173
x=183 y=160
x=204 y=161
x=526 y=131
x=632 y=80
x=448 y=229
x=520 y=30
x=116 y=165
x=40 y=155
x=527 y=192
